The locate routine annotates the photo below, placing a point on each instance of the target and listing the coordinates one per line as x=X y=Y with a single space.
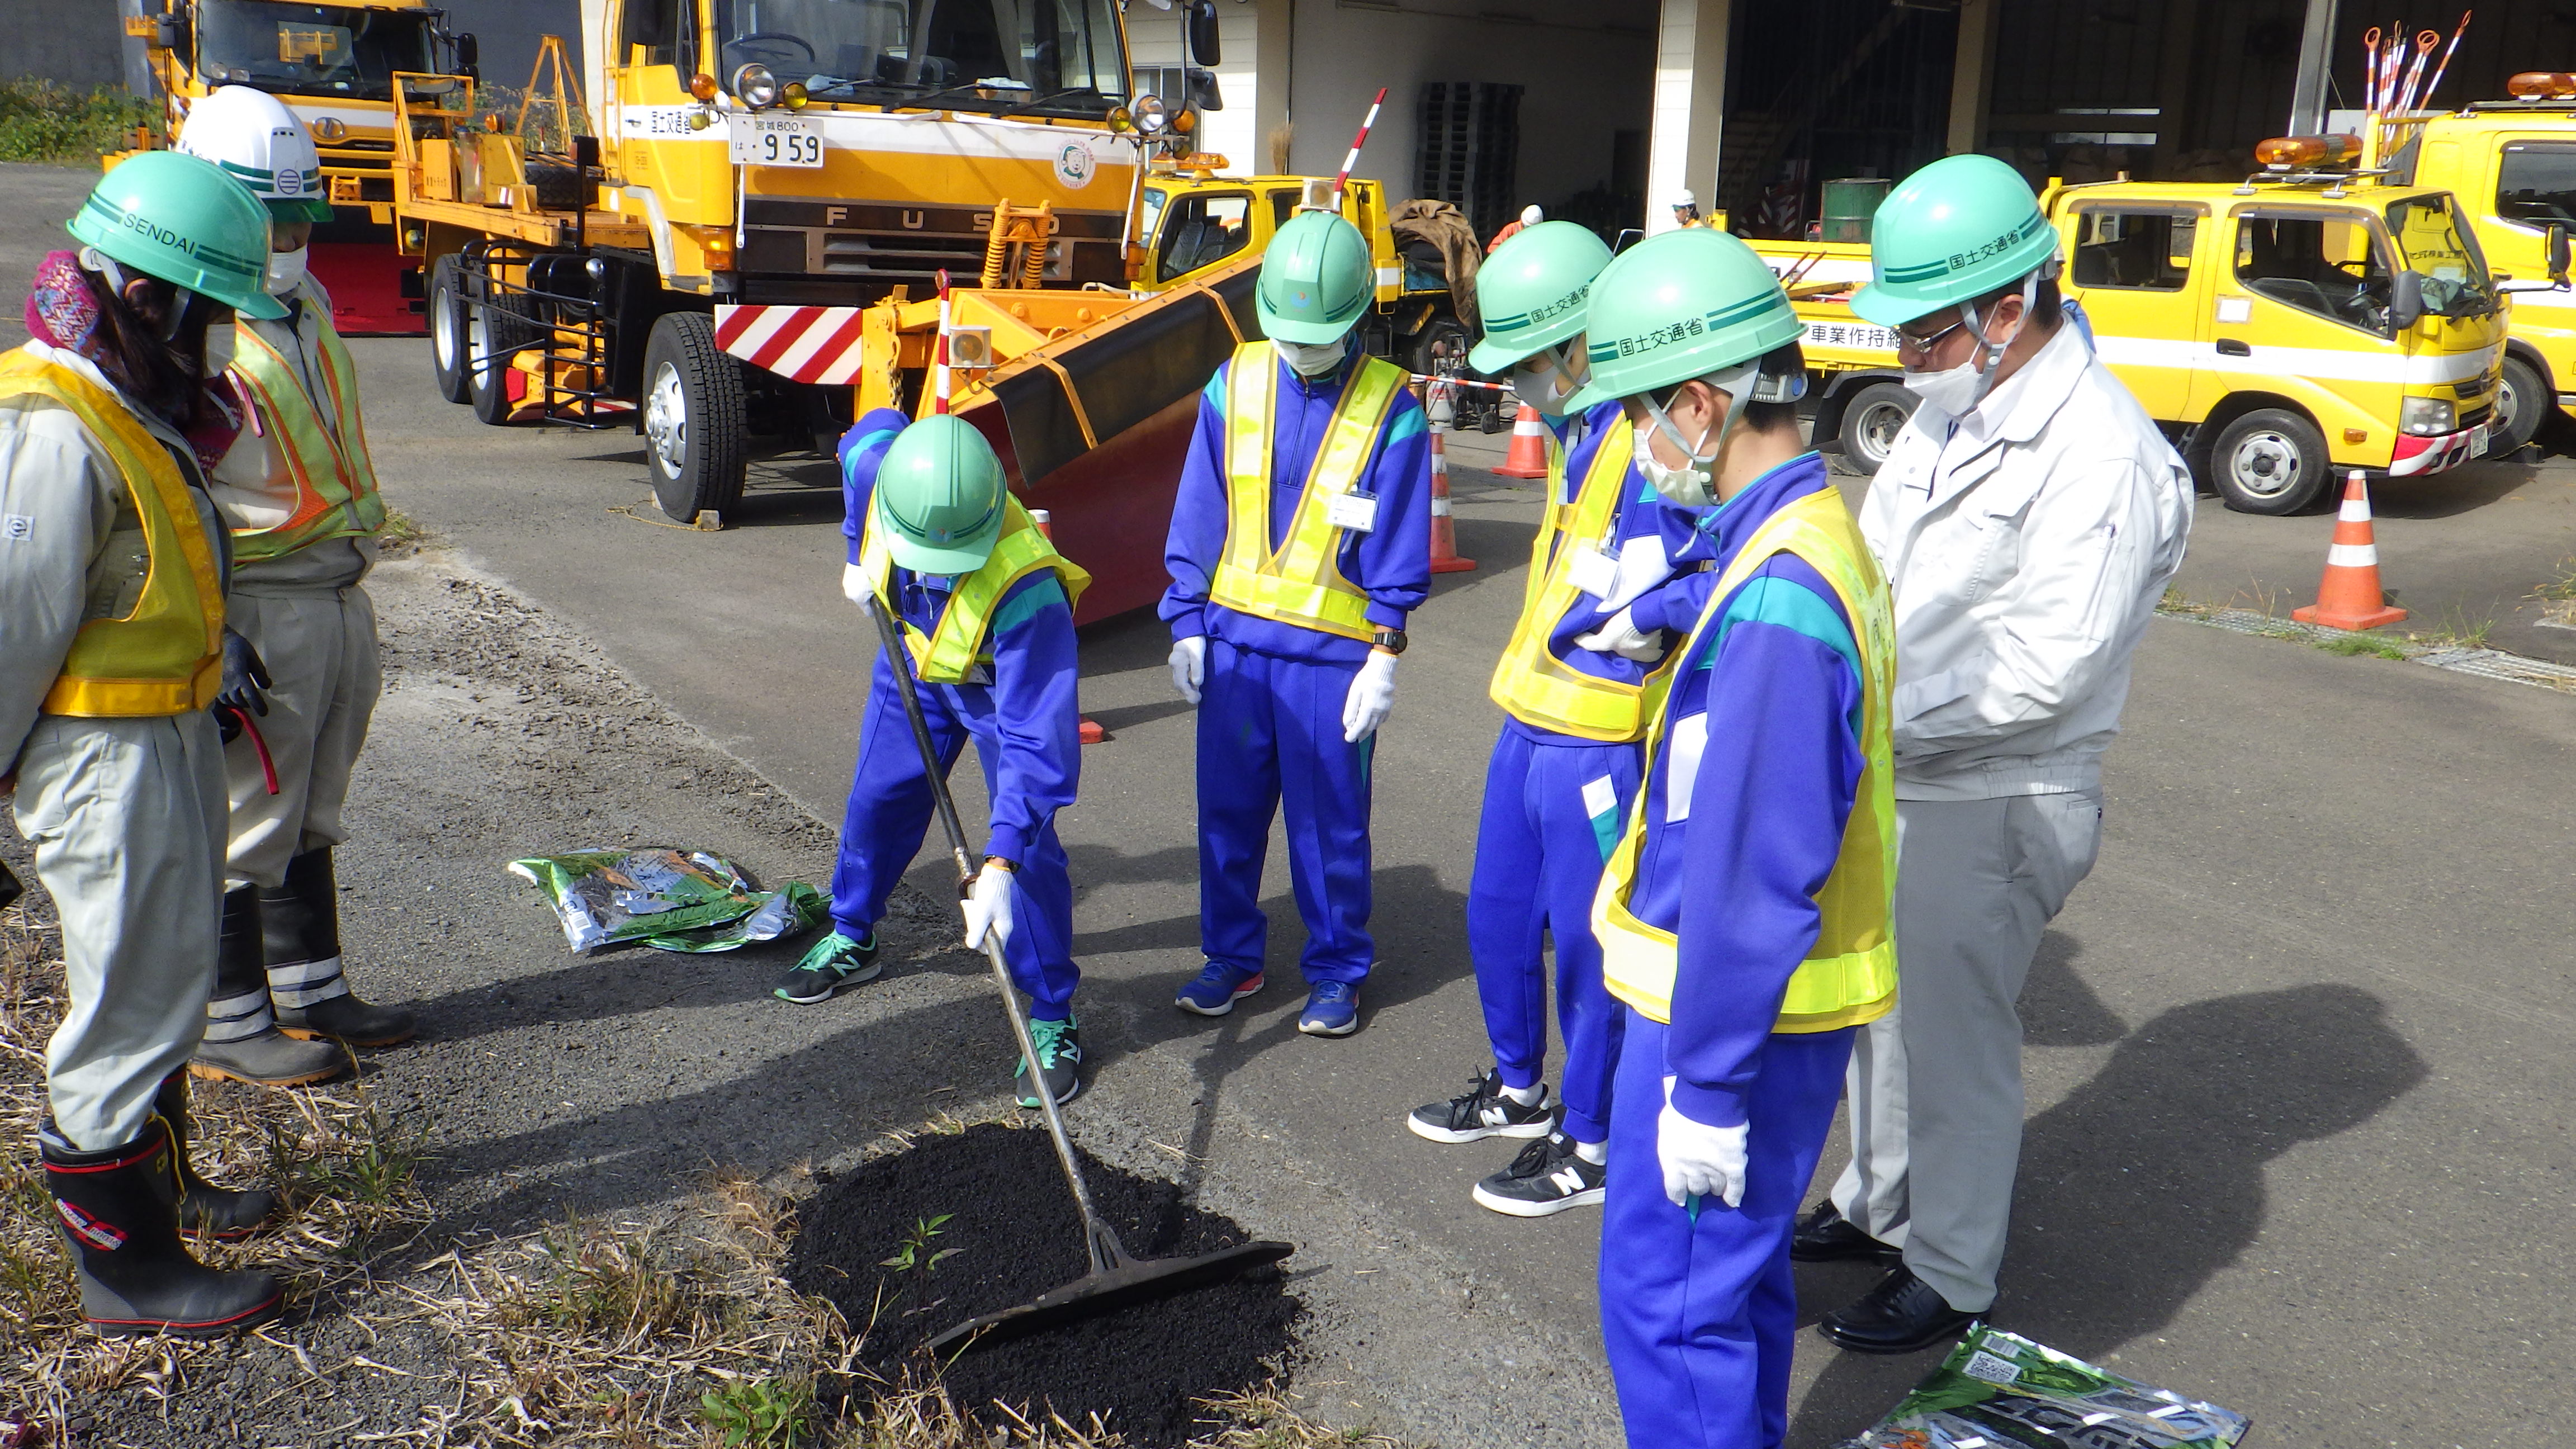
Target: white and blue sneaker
x=1217 y=989
x=1332 y=1009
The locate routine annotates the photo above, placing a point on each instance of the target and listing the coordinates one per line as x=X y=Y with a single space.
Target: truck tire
x=1871 y=420
x=2271 y=461
x=693 y=414
x=2522 y=404
x=502 y=323
x=558 y=187
x=447 y=331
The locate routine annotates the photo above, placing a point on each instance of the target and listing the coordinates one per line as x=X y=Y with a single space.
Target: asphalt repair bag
x=2001 y=1391
x=670 y=900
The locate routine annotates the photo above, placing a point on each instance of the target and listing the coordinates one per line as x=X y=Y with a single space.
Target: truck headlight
x=2427 y=416
x=1150 y=115
x=755 y=87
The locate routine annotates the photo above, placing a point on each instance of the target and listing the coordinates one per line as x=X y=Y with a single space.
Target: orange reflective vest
x=335 y=480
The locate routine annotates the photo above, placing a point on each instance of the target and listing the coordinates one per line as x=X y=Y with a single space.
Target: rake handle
x=1100 y=1240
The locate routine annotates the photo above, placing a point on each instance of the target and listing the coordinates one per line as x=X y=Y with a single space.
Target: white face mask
x=1694 y=484
x=1958 y=390
x=220 y=346
x=1549 y=380
x=1313 y=359
x=285 y=270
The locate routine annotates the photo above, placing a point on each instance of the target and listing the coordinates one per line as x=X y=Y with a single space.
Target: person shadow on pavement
x=2149 y=1179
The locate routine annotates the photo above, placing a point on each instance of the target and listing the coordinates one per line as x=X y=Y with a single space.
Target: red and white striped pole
x=939 y=386
x=1353 y=159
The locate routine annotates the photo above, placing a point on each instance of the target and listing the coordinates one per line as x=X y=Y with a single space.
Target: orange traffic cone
x=1528 y=457
x=1092 y=733
x=1444 y=529
x=2349 y=596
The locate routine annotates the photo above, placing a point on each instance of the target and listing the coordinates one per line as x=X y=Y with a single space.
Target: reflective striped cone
x=2349 y=596
x=1444 y=528
x=1528 y=457
x=1092 y=732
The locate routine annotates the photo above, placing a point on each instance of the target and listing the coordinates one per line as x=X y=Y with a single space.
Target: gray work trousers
x=320 y=649
x=127 y=817
x=1935 y=1086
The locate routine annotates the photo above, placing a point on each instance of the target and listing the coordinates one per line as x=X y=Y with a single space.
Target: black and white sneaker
x=1483 y=1112
x=1548 y=1177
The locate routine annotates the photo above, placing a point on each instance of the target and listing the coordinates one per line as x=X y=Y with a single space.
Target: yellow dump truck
x=2283 y=330
x=334 y=66
x=735 y=219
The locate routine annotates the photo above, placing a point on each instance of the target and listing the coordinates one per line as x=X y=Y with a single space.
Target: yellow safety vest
x=949 y=652
x=335 y=481
x=1530 y=682
x=1302 y=583
x=1849 y=976
x=167 y=656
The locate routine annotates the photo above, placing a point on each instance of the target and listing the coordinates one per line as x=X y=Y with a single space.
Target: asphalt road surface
x=2300 y=1049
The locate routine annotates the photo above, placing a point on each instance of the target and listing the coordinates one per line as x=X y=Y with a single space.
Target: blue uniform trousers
x=890 y=809
x=1270 y=739
x=1553 y=810
x=1698 y=1318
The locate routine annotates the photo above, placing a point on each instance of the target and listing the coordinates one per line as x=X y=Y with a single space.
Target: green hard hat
x=1316 y=280
x=939 y=497
x=1952 y=232
x=1678 y=306
x=184 y=221
x=1532 y=291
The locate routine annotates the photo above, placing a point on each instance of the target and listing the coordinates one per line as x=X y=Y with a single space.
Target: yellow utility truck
x=334 y=66
x=2282 y=330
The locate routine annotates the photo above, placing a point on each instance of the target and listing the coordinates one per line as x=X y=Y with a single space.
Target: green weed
x=761 y=1412
x=2362 y=644
x=44 y=122
x=910 y=1255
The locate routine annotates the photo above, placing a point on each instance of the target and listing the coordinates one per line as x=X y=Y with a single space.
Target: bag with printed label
x=1999 y=1390
x=671 y=900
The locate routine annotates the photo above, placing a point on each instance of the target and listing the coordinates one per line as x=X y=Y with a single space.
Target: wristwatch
x=1390 y=640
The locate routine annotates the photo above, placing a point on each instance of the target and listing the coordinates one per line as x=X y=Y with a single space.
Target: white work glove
x=988 y=906
x=1622 y=637
x=1372 y=697
x=1643 y=565
x=854 y=587
x=1189 y=666
x=1698 y=1160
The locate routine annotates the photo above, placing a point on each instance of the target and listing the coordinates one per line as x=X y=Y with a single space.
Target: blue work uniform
x=1554 y=804
x=1745 y=819
x=1270 y=709
x=1022 y=716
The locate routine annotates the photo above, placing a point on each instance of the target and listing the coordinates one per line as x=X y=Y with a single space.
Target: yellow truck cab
x=1192 y=221
x=2512 y=164
x=2282 y=330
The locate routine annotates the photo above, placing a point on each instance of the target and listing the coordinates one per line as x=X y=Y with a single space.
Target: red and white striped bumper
x=2419 y=456
x=806 y=344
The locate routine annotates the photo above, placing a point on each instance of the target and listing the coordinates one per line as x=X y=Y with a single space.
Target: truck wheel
x=2522 y=404
x=558 y=187
x=1871 y=420
x=693 y=417
x=2271 y=461
x=447 y=331
x=501 y=323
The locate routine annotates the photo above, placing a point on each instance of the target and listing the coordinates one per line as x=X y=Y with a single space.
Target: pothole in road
x=916 y=1241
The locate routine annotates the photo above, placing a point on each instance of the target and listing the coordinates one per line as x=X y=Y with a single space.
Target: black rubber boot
x=205 y=1208
x=301 y=935
x=119 y=1209
x=242 y=1041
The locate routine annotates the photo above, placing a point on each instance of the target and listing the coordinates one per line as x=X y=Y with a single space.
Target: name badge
x=1594 y=572
x=1353 y=511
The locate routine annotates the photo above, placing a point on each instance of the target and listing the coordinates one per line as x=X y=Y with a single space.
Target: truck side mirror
x=2558 y=253
x=469 y=56
x=1205 y=47
x=1205 y=94
x=2405 y=302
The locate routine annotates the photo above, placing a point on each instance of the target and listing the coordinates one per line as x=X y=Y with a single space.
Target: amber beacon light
x=2289 y=153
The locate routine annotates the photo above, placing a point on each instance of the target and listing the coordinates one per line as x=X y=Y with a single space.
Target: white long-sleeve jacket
x=2027 y=546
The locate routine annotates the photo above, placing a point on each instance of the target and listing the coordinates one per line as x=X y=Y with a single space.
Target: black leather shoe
x=1826 y=1236
x=1902 y=1314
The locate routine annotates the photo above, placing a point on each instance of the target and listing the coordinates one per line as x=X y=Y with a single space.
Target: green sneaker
x=1059 y=1046
x=835 y=962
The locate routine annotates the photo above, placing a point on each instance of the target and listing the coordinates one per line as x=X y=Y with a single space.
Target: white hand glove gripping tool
x=1117 y=1278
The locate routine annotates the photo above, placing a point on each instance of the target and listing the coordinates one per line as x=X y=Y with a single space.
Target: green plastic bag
x=2001 y=1391
x=668 y=899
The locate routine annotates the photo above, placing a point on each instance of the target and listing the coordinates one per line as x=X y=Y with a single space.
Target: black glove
x=10 y=889
x=244 y=677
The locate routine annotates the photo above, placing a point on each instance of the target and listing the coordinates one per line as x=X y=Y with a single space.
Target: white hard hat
x=1687 y=198
x=261 y=144
x=1531 y=215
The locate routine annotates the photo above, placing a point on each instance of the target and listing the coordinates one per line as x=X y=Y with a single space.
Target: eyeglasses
x=1908 y=342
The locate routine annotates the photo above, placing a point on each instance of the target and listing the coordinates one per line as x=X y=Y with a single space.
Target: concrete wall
x=77 y=43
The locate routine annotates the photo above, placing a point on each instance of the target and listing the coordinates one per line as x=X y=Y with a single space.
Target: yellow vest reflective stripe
x=1302 y=583
x=1849 y=976
x=1530 y=682
x=335 y=481
x=951 y=650
x=166 y=657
